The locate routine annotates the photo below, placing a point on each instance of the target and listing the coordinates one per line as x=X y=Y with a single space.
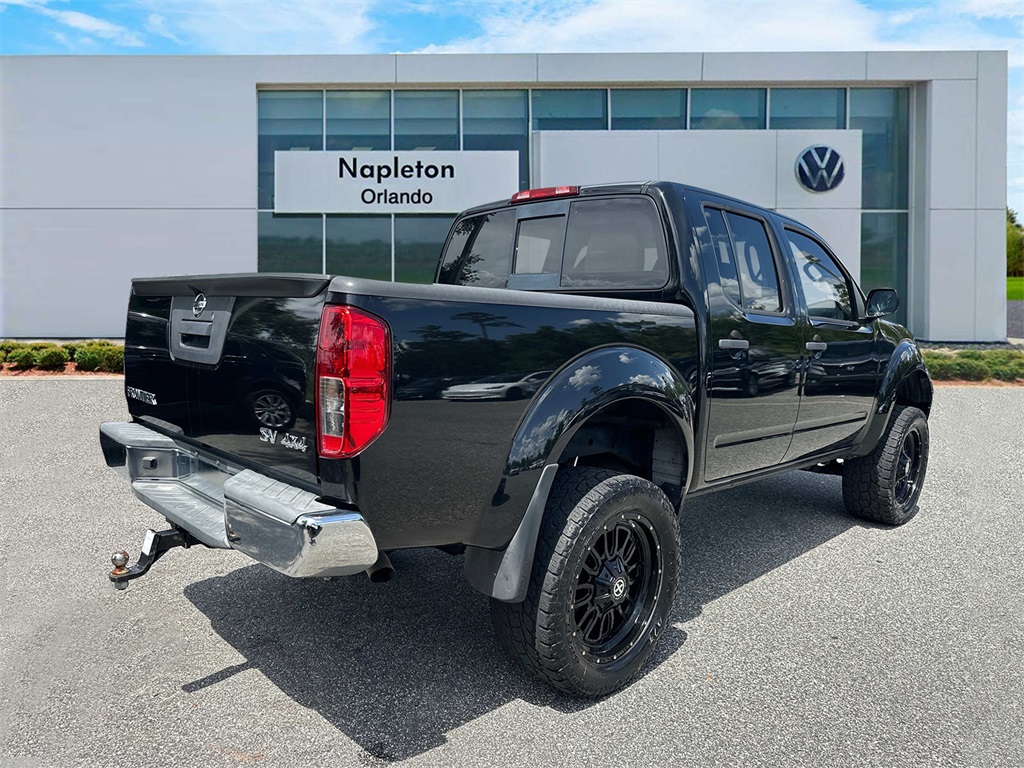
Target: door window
x=826 y=289
x=746 y=265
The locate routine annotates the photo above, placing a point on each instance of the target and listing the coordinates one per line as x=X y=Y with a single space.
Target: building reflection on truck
x=266 y=382
x=756 y=371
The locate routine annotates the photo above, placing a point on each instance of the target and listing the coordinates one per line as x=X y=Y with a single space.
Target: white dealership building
x=113 y=167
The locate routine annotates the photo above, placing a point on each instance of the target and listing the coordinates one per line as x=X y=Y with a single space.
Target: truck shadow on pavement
x=397 y=666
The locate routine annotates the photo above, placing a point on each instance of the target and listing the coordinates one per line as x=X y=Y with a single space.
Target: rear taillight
x=353 y=387
x=539 y=194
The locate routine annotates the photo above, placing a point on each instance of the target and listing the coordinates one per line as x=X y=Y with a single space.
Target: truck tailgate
x=229 y=362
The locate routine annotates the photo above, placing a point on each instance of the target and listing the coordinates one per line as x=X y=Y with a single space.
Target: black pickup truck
x=586 y=359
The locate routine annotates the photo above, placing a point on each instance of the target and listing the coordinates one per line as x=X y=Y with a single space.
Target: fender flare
x=905 y=361
x=576 y=392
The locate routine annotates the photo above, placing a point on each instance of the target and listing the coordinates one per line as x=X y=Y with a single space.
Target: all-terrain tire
x=591 y=617
x=885 y=485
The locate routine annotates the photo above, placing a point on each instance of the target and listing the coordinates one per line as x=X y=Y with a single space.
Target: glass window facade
x=794 y=108
x=648 y=109
x=883 y=114
x=289 y=243
x=426 y=120
x=358 y=246
x=288 y=120
x=492 y=119
x=498 y=120
x=727 y=108
x=883 y=255
x=358 y=120
x=570 y=110
x=418 y=244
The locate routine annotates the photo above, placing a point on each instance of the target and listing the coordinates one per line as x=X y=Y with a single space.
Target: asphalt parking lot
x=800 y=636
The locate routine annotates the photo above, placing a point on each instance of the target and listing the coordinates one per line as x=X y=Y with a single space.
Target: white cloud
x=991 y=9
x=94 y=26
x=157 y=25
x=265 y=26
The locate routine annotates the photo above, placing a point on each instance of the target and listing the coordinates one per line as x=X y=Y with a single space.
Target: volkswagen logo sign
x=199 y=305
x=820 y=169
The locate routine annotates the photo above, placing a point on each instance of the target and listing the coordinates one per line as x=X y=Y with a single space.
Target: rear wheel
x=884 y=486
x=603 y=582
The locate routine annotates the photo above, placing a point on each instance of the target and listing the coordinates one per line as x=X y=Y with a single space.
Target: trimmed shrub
x=974 y=354
x=940 y=367
x=3 y=356
x=71 y=347
x=111 y=359
x=969 y=370
x=87 y=358
x=9 y=345
x=1008 y=372
x=51 y=359
x=24 y=359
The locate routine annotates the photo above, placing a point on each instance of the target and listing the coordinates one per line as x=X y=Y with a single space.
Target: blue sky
x=388 y=26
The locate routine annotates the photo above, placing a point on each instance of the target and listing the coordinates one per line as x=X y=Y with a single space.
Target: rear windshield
x=613 y=243
x=606 y=244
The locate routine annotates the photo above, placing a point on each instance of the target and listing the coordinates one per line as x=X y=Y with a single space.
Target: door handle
x=816 y=344
x=733 y=344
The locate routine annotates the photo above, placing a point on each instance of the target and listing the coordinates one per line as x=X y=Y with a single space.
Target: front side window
x=480 y=250
x=826 y=289
x=614 y=243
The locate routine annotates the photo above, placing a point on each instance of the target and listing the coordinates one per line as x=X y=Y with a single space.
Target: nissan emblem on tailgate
x=199 y=305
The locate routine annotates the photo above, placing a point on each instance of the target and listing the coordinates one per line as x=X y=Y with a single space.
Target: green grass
x=1015 y=289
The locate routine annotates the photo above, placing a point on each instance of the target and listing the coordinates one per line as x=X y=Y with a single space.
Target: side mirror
x=882 y=302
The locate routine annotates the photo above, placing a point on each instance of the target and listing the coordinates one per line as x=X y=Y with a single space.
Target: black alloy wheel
x=908 y=468
x=885 y=485
x=617 y=589
x=602 y=585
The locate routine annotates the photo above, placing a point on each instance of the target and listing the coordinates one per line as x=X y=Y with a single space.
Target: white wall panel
x=593 y=157
x=952 y=144
x=951 y=276
x=784 y=67
x=991 y=130
x=990 y=276
x=737 y=163
x=83 y=132
x=67 y=273
x=467 y=68
x=618 y=67
x=839 y=228
x=909 y=66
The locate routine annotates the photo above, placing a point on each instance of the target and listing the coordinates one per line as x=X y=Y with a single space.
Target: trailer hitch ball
x=120 y=562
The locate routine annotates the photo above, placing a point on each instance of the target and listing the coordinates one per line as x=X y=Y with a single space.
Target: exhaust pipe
x=382 y=570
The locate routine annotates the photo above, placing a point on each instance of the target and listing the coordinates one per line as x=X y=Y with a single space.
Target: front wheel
x=884 y=486
x=603 y=582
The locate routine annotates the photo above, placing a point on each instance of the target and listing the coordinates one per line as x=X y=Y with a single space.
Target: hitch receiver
x=154 y=545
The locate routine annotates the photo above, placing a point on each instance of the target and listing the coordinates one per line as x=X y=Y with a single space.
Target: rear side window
x=746 y=265
x=539 y=246
x=480 y=250
x=826 y=290
x=614 y=243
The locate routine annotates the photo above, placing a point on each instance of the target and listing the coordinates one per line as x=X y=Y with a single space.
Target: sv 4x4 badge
x=294 y=442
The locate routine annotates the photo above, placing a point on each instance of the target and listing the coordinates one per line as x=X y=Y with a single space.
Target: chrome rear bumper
x=228 y=507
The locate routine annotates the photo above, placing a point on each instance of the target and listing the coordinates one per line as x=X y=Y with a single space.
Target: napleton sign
x=391 y=182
